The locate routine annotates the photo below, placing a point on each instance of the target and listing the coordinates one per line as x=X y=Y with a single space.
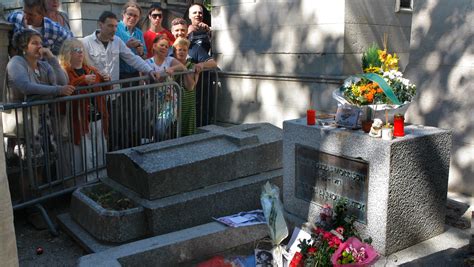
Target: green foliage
x=342 y=219
x=370 y=58
x=207 y=4
x=322 y=257
x=304 y=245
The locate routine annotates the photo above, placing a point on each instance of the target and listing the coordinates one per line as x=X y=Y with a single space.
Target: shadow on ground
x=57 y=251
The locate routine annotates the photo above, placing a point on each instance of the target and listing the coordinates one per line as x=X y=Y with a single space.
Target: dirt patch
x=108 y=198
x=57 y=251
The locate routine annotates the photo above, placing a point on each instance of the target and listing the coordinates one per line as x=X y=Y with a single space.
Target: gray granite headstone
x=407 y=179
x=186 y=164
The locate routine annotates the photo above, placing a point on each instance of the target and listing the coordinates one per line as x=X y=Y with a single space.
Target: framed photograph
x=263 y=258
x=347 y=117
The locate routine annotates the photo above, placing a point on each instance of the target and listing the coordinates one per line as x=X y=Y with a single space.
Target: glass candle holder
x=387 y=133
x=311 y=117
x=398 y=125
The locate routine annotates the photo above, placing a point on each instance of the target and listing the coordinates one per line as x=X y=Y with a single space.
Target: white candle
x=387 y=133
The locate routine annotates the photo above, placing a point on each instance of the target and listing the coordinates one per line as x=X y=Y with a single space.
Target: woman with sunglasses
x=155 y=16
x=89 y=115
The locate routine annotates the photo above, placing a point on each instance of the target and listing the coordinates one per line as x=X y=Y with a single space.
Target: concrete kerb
x=178 y=247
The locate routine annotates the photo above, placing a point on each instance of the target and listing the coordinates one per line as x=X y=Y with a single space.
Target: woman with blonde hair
x=188 y=99
x=89 y=115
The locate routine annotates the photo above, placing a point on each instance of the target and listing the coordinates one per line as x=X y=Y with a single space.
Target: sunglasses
x=154 y=16
x=77 y=50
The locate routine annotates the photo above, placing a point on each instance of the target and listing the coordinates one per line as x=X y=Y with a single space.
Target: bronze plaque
x=324 y=178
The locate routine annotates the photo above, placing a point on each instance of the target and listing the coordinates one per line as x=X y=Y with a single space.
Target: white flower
x=350 y=81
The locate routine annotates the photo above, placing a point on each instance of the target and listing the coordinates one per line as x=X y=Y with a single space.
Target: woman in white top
x=165 y=99
x=161 y=62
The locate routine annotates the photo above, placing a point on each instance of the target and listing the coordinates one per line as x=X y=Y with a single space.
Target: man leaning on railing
x=105 y=51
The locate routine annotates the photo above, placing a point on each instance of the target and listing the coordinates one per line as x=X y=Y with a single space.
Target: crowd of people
x=47 y=61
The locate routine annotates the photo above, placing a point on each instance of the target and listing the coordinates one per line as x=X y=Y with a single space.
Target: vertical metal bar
x=51 y=227
x=208 y=97
x=217 y=86
x=201 y=102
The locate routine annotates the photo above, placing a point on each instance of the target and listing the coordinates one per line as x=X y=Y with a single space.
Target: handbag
x=17 y=122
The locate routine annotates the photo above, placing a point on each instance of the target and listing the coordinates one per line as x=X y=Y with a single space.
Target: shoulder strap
x=5 y=95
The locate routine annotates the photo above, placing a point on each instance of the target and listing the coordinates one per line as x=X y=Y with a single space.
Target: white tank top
x=159 y=68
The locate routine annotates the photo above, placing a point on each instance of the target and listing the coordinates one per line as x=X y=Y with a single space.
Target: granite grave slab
x=397 y=189
x=186 y=164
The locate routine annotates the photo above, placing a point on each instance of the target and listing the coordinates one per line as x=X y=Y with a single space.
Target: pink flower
x=340 y=230
x=363 y=254
x=312 y=250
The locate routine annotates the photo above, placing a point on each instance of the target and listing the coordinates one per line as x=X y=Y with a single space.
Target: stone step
x=169 y=214
x=200 y=206
x=185 y=164
x=178 y=248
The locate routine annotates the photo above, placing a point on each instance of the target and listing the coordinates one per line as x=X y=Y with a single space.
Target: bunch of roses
x=332 y=238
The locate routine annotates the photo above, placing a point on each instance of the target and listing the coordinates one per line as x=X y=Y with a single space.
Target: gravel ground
x=57 y=251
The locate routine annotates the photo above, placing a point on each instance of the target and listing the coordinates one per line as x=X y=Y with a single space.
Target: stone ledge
x=176 y=248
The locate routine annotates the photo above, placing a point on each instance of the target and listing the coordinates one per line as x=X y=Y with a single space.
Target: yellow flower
x=382 y=55
x=355 y=90
x=372 y=69
x=391 y=63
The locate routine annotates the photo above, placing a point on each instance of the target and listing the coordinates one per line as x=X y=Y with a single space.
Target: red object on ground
x=311 y=117
x=216 y=261
x=39 y=251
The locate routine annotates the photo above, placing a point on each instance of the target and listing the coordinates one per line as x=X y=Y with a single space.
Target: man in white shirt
x=105 y=51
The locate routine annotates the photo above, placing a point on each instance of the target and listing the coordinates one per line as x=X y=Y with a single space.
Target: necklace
x=37 y=72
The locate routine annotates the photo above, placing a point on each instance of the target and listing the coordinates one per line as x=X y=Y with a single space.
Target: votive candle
x=398 y=125
x=311 y=117
x=387 y=133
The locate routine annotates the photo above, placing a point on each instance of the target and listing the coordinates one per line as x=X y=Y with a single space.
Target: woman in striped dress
x=188 y=103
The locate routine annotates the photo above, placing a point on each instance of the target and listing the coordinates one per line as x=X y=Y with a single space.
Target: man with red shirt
x=155 y=15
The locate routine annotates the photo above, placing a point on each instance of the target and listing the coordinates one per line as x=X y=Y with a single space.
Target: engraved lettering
x=324 y=178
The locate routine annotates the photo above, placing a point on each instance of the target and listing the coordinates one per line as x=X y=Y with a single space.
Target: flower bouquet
x=381 y=86
x=333 y=234
x=354 y=253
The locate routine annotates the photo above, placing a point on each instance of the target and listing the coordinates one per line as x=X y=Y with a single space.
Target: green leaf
x=383 y=84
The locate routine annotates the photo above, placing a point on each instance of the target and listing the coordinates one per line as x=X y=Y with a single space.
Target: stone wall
x=309 y=45
x=441 y=64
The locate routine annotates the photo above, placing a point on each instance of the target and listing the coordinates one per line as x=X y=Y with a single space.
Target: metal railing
x=52 y=146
